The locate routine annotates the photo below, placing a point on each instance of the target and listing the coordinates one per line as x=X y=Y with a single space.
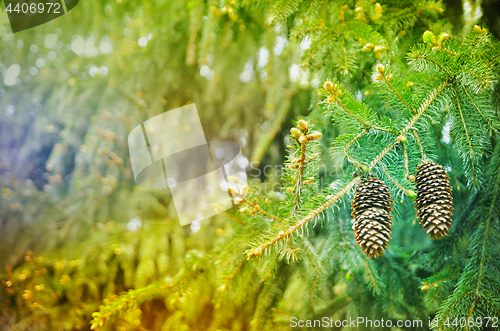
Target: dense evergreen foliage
x=320 y=95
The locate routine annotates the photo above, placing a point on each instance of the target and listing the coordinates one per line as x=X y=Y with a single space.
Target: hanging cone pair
x=434 y=202
x=371 y=207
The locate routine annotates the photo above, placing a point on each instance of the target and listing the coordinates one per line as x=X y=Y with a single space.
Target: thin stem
x=447 y=51
x=436 y=63
x=228 y=280
x=396 y=92
x=469 y=143
x=346 y=148
x=234 y=217
x=405 y=153
x=417 y=138
x=397 y=184
x=255 y=206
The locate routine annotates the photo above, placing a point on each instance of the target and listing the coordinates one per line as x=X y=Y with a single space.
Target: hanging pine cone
x=371 y=210
x=434 y=202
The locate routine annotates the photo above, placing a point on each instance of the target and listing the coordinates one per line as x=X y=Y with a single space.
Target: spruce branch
x=285 y=234
x=134 y=297
x=282 y=10
x=305 y=141
x=257 y=251
x=229 y=279
x=233 y=217
x=418 y=55
x=300 y=178
x=442 y=48
x=478 y=289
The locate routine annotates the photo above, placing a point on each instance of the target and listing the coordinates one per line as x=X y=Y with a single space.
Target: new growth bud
x=302 y=125
x=295 y=132
x=315 y=135
x=443 y=37
x=328 y=86
x=378 y=12
x=368 y=47
x=412 y=194
x=429 y=38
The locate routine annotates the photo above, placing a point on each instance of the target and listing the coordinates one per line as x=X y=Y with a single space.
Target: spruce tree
x=381 y=115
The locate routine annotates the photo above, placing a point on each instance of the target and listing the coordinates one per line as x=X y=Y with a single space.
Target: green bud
x=443 y=37
x=429 y=37
x=412 y=194
x=302 y=125
x=295 y=132
x=328 y=86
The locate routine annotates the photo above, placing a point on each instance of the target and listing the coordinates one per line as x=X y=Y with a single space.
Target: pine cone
x=371 y=210
x=434 y=202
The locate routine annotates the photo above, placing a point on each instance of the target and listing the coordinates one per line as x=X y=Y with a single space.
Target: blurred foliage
x=80 y=243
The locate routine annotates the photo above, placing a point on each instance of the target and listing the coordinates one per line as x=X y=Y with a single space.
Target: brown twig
x=300 y=179
x=255 y=206
x=417 y=138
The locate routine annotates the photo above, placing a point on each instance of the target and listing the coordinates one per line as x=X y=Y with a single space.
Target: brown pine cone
x=371 y=206
x=434 y=202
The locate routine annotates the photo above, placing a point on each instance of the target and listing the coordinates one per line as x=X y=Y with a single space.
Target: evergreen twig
x=258 y=250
